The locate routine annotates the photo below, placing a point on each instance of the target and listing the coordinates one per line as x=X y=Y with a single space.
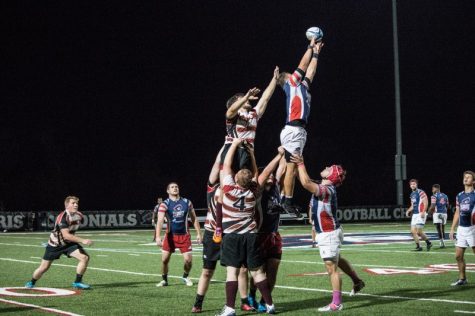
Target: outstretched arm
x=262 y=104
x=270 y=167
x=304 y=62
x=214 y=173
x=228 y=160
x=234 y=108
x=303 y=176
x=312 y=68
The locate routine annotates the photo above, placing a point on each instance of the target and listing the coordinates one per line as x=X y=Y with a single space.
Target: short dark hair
x=414 y=180
x=437 y=186
x=470 y=172
x=233 y=99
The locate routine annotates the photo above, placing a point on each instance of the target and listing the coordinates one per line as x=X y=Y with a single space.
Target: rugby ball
x=314 y=32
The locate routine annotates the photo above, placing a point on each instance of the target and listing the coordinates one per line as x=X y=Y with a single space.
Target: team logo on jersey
x=178 y=211
x=465 y=204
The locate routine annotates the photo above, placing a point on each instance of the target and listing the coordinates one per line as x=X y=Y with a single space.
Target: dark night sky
x=110 y=101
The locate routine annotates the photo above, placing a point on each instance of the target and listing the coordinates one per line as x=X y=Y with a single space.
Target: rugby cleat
x=417 y=249
x=331 y=308
x=247 y=307
x=196 y=310
x=187 y=281
x=357 y=287
x=459 y=282
x=227 y=311
x=429 y=245
x=81 y=286
x=29 y=285
x=270 y=309
x=252 y=301
x=262 y=308
x=162 y=283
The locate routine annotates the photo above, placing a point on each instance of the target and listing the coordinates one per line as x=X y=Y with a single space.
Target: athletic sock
x=165 y=277
x=252 y=292
x=185 y=275
x=417 y=245
x=336 y=297
x=231 y=291
x=78 y=278
x=427 y=241
x=354 y=277
x=263 y=287
x=33 y=281
x=244 y=301
x=199 y=300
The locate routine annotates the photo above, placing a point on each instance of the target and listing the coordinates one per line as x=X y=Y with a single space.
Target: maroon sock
x=263 y=287
x=354 y=277
x=231 y=291
x=219 y=215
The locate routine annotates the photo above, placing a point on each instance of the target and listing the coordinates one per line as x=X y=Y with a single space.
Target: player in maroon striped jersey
x=63 y=240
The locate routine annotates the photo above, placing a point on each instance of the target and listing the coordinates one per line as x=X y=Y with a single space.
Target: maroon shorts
x=172 y=242
x=270 y=245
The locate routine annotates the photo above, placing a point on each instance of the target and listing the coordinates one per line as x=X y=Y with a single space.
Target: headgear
x=337 y=174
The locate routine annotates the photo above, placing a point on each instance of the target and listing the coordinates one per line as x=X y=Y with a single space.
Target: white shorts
x=293 y=139
x=330 y=243
x=439 y=218
x=465 y=237
x=418 y=221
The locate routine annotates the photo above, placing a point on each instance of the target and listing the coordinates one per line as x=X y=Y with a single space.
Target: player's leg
x=331 y=266
x=422 y=235
x=459 y=257
x=243 y=281
x=187 y=264
x=203 y=284
x=38 y=273
x=346 y=267
x=414 y=234
x=166 y=255
x=83 y=259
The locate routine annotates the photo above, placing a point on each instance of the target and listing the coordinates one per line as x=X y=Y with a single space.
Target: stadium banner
x=104 y=219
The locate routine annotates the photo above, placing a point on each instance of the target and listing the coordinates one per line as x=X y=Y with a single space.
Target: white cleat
x=187 y=281
x=331 y=308
x=162 y=283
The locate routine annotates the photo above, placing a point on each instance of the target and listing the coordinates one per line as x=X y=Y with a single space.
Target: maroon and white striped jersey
x=243 y=125
x=68 y=220
x=212 y=194
x=239 y=208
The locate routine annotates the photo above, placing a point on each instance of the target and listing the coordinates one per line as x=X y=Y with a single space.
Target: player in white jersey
x=418 y=210
x=464 y=218
x=330 y=233
x=63 y=240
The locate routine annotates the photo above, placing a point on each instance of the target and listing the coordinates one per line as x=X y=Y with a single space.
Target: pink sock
x=336 y=297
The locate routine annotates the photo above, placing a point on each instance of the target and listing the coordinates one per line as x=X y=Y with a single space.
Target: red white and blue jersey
x=466 y=205
x=270 y=209
x=243 y=125
x=416 y=199
x=440 y=201
x=212 y=193
x=176 y=213
x=68 y=220
x=239 y=208
x=324 y=207
x=296 y=89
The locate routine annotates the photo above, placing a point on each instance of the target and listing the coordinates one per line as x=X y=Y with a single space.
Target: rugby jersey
x=177 y=213
x=212 y=193
x=441 y=201
x=416 y=198
x=297 y=97
x=243 y=125
x=68 y=220
x=324 y=207
x=466 y=205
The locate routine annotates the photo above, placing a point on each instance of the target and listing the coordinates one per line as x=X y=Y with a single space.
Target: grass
x=125 y=267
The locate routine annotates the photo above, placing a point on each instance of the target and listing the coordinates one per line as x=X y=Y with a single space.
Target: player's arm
x=455 y=222
x=312 y=67
x=234 y=108
x=228 y=160
x=424 y=204
x=252 y=156
x=268 y=92
x=432 y=204
x=214 y=173
x=158 y=228
x=303 y=176
x=72 y=238
x=196 y=224
x=261 y=180
x=305 y=61
x=410 y=209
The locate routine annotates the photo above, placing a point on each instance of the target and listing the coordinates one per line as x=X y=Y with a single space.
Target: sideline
x=45 y=309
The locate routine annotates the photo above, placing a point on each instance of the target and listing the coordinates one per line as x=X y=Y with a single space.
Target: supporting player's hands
x=237 y=141
x=276 y=73
x=297 y=159
x=87 y=242
x=281 y=150
x=318 y=47
x=252 y=94
x=158 y=240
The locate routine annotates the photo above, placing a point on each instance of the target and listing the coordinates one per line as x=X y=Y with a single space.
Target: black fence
x=111 y=219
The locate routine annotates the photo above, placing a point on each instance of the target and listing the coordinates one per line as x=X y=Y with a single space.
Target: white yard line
x=464 y=312
x=45 y=309
x=405 y=298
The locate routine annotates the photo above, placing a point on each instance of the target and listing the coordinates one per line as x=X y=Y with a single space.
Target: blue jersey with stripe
x=417 y=197
x=176 y=213
x=440 y=201
x=466 y=205
x=298 y=97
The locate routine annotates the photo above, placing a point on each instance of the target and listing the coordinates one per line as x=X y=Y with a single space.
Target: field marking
x=46 y=309
x=277 y=286
x=134 y=254
x=464 y=312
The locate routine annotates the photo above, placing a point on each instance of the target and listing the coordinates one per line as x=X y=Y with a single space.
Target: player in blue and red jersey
x=418 y=210
x=330 y=234
x=439 y=203
x=176 y=210
x=464 y=217
x=294 y=136
x=63 y=240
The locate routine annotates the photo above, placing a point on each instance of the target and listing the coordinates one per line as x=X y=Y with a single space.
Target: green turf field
x=125 y=266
